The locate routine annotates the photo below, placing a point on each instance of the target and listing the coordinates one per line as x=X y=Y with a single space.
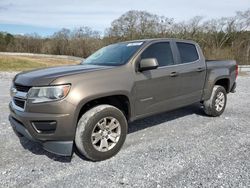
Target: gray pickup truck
x=89 y=105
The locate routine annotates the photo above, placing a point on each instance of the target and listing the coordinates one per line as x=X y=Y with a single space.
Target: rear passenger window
x=161 y=51
x=188 y=52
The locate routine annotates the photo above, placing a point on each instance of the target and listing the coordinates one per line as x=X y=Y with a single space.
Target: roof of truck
x=160 y=39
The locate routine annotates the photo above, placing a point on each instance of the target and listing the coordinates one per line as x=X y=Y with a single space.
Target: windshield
x=113 y=55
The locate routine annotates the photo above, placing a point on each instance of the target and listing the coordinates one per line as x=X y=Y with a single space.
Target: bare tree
x=227 y=37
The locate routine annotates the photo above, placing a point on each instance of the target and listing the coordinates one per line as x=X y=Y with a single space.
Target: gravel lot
x=182 y=148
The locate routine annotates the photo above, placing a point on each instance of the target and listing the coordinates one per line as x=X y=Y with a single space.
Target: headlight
x=49 y=93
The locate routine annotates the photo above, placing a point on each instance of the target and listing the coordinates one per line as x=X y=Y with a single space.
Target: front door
x=155 y=88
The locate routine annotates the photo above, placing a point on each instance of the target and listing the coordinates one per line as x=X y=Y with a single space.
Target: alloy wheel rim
x=219 y=101
x=106 y=134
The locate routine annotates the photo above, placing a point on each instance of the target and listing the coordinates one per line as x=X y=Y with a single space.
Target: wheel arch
x=119 y=100
x=224 y=82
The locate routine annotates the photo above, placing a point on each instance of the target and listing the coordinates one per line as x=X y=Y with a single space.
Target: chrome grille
x=19 y=96
x=22 y=88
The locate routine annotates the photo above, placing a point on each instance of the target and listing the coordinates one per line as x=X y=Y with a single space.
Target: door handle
x=200 y=69
x=173 y=74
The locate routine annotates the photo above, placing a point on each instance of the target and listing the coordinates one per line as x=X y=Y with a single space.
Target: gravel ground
x=182 y=148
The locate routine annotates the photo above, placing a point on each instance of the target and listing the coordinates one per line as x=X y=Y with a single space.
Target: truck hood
x=41 y=77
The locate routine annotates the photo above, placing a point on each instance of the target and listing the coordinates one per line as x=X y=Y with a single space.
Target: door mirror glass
x=148 y=64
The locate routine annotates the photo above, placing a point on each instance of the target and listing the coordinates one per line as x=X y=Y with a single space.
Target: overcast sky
x=47 y=16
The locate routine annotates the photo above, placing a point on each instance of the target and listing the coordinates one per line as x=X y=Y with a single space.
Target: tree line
x=222 y=38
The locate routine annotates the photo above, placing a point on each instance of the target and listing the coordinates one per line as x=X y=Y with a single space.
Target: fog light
x=44 y=126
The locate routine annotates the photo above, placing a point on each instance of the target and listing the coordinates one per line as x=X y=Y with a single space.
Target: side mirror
x=148 y=64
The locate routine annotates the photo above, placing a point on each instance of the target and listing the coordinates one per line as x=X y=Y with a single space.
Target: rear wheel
x=215 y=106
x=101 y=132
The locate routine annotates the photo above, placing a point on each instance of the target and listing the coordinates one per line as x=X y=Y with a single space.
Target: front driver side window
x=161 y=51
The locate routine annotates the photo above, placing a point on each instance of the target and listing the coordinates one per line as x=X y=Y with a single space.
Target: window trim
x=179 y=62
x=155 y=42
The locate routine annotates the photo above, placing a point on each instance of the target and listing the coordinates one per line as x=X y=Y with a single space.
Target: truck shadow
x=138 y=125
x=165 y=117
x=37 y=149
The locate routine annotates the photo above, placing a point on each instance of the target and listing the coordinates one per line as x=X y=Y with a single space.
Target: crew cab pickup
x=90 y=104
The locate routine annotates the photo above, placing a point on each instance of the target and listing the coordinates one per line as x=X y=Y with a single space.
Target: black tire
x=87 y=124
x=210 y=105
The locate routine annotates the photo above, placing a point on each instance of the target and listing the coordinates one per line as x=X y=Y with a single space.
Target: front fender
x=90 y=98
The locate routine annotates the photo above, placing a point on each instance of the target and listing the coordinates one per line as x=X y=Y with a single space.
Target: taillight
x=237 y=70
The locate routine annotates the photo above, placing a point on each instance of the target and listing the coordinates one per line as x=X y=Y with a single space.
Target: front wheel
x=215 y=106
x=101 y=132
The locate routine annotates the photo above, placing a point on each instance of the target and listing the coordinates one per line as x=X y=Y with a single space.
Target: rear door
x=191 y=73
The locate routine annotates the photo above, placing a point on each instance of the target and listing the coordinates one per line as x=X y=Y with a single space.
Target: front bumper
x=64 y=148
x=59 y=142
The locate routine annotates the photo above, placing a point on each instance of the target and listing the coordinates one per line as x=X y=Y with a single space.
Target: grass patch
x=16 y=64
x=22 y=63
